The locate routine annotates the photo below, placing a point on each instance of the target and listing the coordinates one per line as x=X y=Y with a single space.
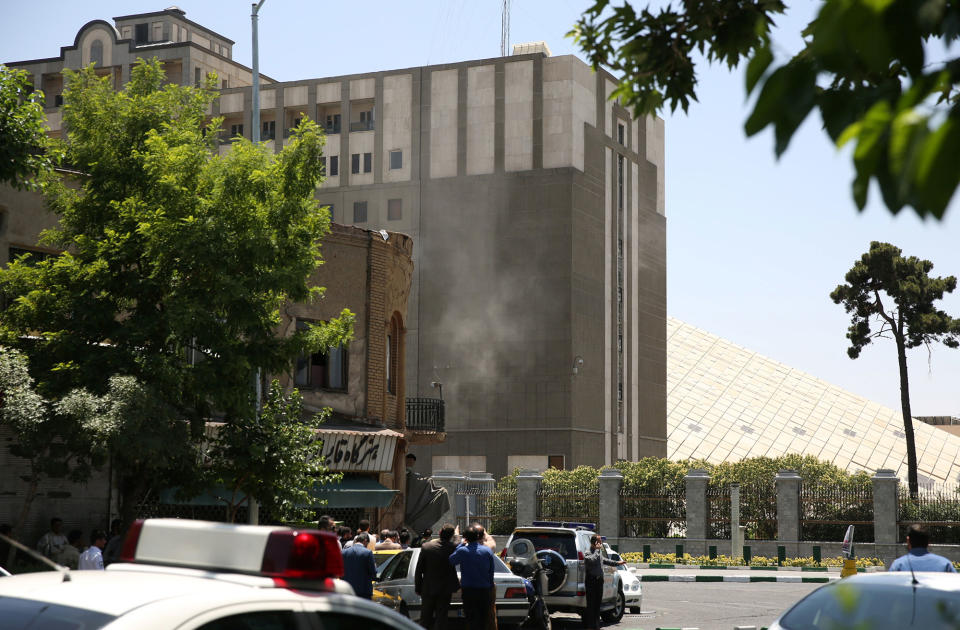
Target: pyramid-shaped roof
x=725 y=403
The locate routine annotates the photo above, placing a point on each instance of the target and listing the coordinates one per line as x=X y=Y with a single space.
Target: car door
x=391 y=579
x=609 y=577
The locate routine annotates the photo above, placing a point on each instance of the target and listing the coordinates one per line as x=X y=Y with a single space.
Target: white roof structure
x=725 y=403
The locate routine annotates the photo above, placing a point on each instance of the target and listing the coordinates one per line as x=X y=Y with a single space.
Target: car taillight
x=129 y=551
x=516 y=591
x=579 y=555
x=581 y=593
x=503 y=553
x=306 y=555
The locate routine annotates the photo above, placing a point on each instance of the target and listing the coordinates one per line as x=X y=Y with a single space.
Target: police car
x=195 y=575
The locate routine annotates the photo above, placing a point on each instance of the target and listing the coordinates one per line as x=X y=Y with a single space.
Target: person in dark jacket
x=476 y=578
x=435 y=579
x=359 y=569
x=593 y=565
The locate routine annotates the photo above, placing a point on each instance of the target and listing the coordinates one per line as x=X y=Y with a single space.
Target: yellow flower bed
x=755 y=561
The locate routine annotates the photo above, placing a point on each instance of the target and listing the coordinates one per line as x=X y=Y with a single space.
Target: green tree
x=275 y=458
x=58 y=439
x=23 y=133
x=176 y=261
x=891 y=295
x=864 y=67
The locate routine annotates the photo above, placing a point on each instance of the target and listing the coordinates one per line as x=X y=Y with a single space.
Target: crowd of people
x=70 y=549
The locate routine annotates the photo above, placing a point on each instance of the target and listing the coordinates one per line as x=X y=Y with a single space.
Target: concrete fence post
x=736 y=534
x=449 y=480
x=528 y=483
x=697 y=480
x=611 y=481
x=885 y=484
x=788 y=508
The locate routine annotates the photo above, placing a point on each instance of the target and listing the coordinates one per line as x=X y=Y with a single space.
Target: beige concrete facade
x=536 y=209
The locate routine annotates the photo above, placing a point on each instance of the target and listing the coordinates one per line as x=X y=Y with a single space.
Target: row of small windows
x=360 y=215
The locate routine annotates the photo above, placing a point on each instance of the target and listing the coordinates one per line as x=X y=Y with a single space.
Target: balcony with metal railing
x=362 y=125
x=425 y=415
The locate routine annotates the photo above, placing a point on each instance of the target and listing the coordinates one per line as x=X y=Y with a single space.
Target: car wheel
x=615 y=614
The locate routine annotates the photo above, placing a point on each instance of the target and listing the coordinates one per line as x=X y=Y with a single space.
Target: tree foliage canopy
x=24 y=149
x=865 y=67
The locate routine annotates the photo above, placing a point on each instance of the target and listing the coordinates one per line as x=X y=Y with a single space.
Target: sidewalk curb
x=742 y=579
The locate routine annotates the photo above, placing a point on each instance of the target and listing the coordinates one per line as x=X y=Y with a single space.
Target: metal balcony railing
x=425 y=414
x=363 y=125
x=329 y=129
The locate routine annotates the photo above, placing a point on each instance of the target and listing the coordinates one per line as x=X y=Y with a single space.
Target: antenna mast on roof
x=505 y=29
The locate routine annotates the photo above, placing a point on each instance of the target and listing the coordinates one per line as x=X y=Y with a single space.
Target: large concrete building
x=536 y=208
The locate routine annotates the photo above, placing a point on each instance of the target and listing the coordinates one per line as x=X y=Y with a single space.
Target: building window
x=327 y=370
x=620 y=182
x=96 y=53
x=334 y=165
x=236 y=131
x=225 y=84
x=141 y=34
x=389 y=363
x=367 y=162
x=620 y=133
x=269 y=131
x=355 y=163
x=393 y=353
x=555 y=461
x=196 y=76
x=359 y=211
x=394 y=209
x=333 y=123
x=396 y=159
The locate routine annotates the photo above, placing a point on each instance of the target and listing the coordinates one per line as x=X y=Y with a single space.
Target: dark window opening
x=236 y=130
x=355 y=163
x=327 y=370
x=396 y=159
x=620 y=133
x=359 y=211
x=334 y=165
x=269 y=130
x=141 y=33
x=394 y=209
x=555 y=461
x=367 y=162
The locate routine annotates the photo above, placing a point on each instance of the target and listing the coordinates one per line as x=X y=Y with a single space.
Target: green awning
x=354 y=492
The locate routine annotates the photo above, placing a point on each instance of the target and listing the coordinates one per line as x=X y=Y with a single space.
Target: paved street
x=707 y=606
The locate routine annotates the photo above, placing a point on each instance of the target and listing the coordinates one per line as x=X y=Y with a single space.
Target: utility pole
x=255 y=121
x=505 y=29
x=253 y=507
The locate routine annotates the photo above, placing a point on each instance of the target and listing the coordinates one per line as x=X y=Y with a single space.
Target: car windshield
x=564 y=544
x=19 y=614
x=875 y=606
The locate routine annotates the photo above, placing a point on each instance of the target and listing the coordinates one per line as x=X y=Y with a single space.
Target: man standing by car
x=593 y=565
x=476 y=578
x=359 y=568
x=917 y=557
x=92 y=558
x=435 y=579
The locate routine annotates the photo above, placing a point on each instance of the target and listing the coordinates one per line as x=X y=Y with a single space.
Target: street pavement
x=705 y=605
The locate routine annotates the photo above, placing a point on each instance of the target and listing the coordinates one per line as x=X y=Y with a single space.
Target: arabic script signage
x=358 y=452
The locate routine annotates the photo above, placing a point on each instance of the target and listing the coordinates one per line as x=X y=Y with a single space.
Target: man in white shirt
x=92 y=558
x=52 y=543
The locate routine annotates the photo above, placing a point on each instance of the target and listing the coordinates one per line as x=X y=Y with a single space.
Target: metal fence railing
x=569 y=501
x=827 y=509
x=718 y=512
x=656 y=512
x=758 y=510
x=936 y=507
x=493 y=507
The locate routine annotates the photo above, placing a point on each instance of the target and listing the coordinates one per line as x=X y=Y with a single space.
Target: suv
x=560 y=548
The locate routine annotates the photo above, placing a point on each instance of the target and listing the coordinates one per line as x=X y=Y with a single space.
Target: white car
x=896 y=600
x=632 y=588
x=395 y=589
x=193 y=575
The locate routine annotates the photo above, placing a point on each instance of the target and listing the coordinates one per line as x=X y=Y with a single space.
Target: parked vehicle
x=395 y=589
x=632 y=588
x=522 y=559
x=560 y=548
x=879 y=601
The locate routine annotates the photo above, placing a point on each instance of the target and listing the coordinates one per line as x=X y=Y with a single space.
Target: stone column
x=448 y=479
x=788 y=507
x=528 y=482
x=736 y=535
x=885 y=507
x=611 y=480
x=697 y=480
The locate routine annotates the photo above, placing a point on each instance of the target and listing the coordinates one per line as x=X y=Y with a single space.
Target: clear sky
x=754 y=245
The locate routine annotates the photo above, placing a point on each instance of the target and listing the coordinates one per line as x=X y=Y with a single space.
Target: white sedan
x=192 y=575
x=632 y=589
x=395 y=589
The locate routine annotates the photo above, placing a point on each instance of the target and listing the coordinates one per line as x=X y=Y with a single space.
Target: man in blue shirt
x=359 y=569
x=476 y=578
x=917 y=557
